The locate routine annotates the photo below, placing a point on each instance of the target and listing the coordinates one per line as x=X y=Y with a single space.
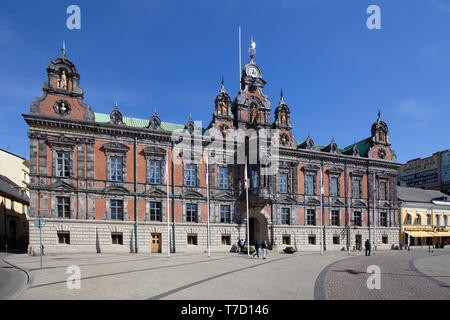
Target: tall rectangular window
x=225 y=216
x=438 y=220
x=419 y=220
x=335 y=218
x=383 y=219
x=116 y=209
x=283 y=182
x=311 y=217
x=429 y=219
x=155 y=172
x=357 y=218
x=63 y=164
x=285 y=216
x=63 y=204
x=309 y=184
x=191 y=212
x=155 y=211
x=255 y=179
x=190 y=177
x=382 y=190
x=333 y=186
x=116 y=168
x=223 y=178
x=446 y=221
x=356 y=188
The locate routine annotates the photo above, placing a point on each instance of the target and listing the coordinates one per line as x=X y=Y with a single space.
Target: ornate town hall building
x=99 y=179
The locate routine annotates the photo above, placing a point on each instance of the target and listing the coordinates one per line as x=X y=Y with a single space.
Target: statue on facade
x=223 y=108
x=253 y=114
x=283 y=118
x=63 y=81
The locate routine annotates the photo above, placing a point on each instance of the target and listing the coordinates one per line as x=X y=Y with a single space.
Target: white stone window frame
x=315 y=216
x=163 y=202
x=386 y=193
x=336 y=176
x=199 y=211
x=124 y=208
x=288 y=185
x=155 y=154
x=64 y=204
x=56 y=148
x=191 y=158
x=361 y=218
x=338 y=217
x=385 y=213
x=228 y=175
x=116 y=150
x=54 y=204
x=230 y=217
x=216 y=218
x=359 y=180
x=289 y=215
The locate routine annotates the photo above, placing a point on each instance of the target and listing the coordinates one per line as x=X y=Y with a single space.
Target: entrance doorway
x=358 y=242
x=252 y=229
x=156 y=242
x=12 y=233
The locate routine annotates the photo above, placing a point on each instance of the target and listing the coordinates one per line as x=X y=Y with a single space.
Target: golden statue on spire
x=252 y=48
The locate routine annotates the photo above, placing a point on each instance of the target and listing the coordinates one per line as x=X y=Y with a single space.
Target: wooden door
x=156 y=242
x=358 y=242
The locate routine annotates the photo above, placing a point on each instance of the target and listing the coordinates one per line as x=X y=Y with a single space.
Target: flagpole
x=321 y=212
x=246 y=193
x=374 y=214
x=167 y=202
x=207 y=197
x=240 y=58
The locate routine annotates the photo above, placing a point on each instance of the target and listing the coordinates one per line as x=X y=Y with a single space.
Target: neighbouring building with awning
x=423 y=217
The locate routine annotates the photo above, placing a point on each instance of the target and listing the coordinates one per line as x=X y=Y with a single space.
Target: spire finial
x=155 y=110
x=379 y=114
x=252 y=48
x=115 y=106
x=222 y=89
x=63 y=48
x=282 y=92
x=222 y=81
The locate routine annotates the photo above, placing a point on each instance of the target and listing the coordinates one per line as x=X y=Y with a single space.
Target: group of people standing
x=263 y=246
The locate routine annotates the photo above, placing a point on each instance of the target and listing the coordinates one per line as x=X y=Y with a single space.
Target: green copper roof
x=138 y=123
x=363 y=146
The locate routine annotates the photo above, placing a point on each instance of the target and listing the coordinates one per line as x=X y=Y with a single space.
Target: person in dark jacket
x=264 y=249
x=256 y=249
x=367 y=244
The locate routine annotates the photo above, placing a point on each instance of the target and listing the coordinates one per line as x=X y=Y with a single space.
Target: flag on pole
x=166 y=180
x=245 y=176
x=166 y=169
x=206 y=171
x=321 y=183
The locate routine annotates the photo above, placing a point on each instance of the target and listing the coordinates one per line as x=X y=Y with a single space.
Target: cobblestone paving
x=347 y=279
x=191 y=277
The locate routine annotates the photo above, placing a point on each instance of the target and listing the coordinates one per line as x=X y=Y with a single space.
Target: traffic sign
x=39 y=223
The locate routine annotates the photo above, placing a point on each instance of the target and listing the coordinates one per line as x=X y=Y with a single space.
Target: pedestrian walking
x=256 y=249
x=238 y=249
x=367 y=244
x=264 y=249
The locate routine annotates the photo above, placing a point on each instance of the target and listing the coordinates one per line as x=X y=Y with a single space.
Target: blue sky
x=171 y=55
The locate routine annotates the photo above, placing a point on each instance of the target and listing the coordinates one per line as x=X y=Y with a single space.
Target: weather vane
x=252 y=49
